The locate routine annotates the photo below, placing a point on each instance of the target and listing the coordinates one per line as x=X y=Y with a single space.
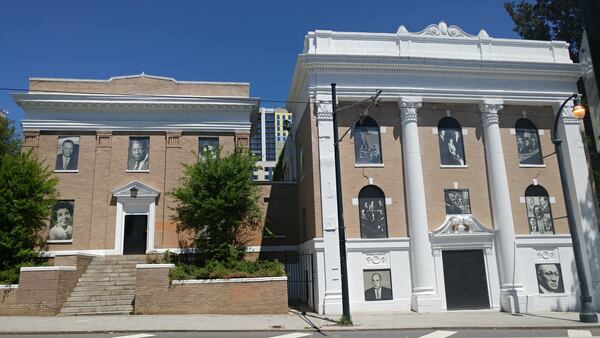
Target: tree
x=27 y=192
x=548 y=19
x=219 y=201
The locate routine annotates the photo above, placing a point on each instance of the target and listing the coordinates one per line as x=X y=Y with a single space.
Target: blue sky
x=249 y=41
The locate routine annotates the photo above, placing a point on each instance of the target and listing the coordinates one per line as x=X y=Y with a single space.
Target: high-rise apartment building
x=267 y=140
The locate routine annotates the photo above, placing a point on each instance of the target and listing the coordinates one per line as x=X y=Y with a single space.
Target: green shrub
x=214 y=269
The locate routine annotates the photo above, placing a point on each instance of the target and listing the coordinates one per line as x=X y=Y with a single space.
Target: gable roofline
x=142 y=75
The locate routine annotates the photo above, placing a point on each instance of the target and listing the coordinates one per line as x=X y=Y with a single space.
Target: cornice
x=61 y=125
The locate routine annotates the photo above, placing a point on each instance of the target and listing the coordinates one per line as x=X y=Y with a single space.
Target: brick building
x=90 y=132
x=450 y=186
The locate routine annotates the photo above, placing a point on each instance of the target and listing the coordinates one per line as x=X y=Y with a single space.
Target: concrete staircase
x=106 y=287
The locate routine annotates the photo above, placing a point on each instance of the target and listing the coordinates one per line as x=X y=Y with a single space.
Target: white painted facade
x=443 y=64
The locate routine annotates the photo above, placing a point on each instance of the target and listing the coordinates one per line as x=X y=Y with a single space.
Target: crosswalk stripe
x=579 y=333
x=439 y=334
x=141 y=335
x=292 y=335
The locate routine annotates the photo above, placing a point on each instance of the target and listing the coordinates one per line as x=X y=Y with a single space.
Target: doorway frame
x=465 y=232
x=143 y=204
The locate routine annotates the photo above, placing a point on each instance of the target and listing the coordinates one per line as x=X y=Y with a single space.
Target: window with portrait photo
x=377 y=285
x=539 y=213
x=372 y=213
x=549 y=277
x=139 y=155
x=457 y=201
x=528 y=143
x=450 y=139
x=208 y=145
x=61 y=222
x=367 y=142
x=67 y=154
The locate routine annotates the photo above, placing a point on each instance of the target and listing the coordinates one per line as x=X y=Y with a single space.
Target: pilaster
x=512 y=294
x=332 y=298
x=580 y=188
x=424 y=294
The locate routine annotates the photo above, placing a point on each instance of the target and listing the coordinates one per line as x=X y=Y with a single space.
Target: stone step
x=104 y=278
x=101 y=313
x=93 y=298
x=106 y=283
x=103 y=287
x=113 y=302
x=117 y=264
x=110 y=270
x=86 y=293
x=123 y=258
x=96 y=309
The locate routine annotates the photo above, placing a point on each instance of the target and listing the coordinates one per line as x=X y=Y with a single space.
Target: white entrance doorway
x=135 y=217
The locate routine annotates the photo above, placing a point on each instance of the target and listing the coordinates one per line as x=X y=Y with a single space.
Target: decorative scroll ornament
x=376 y=259
x=461 y=224
x=546 y=255
x=442 y=30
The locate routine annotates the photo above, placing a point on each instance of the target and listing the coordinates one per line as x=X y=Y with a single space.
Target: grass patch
x=229 y=269
x=344 y=321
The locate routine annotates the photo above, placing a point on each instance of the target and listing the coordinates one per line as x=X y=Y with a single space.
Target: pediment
x=461 y=224
x=144 y=191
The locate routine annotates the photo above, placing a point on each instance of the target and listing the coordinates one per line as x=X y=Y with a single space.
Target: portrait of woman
x=61 y=221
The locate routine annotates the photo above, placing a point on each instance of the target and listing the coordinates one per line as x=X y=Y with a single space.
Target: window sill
x=447 y=166
x=66 y=171
x=60 y=241
x=369 y=165
x=137 y=171
x=532 y=166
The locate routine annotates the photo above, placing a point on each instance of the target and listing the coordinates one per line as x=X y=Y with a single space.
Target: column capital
x=408 y=108
x=566 y=116
x=324 y=110
x=489 y=110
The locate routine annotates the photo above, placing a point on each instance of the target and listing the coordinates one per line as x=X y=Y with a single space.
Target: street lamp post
x=586 y=314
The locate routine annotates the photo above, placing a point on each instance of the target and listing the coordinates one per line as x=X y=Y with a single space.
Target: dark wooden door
x=465 y=279
x=136 y=230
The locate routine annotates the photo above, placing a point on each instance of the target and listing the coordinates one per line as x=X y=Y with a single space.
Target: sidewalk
x=294 y=321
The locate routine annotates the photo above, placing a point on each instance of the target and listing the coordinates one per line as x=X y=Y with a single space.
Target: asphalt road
x=342 y=334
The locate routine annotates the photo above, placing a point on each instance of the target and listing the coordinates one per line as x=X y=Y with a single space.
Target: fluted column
x=424 y=295
x=512 y=298
x=332 y=293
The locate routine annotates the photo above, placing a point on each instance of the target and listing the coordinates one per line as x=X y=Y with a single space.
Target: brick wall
x=154 y=295
x=43 y=290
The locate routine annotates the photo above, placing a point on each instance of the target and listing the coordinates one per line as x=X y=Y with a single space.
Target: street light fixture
x=586 y=314
x=373 y=100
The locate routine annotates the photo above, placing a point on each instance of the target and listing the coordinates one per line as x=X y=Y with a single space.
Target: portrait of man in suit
x=68 y=153
x=379 y=287
x=138 y=154
x=549 y=278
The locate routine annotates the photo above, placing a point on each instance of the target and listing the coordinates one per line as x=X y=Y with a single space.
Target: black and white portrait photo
x=61 y=221
x=457 y=201
x=138 y=159
x=452 y=151
x=373 y=222
x=528 y=143
x=378 y=285
x=67 y=154
x=539 y=217
x=549 y=278
x=367 y=147
x=207 y=144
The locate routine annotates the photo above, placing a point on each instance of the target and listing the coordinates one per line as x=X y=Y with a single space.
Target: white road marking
x=439 y=334
x=292 y=335
x=141 y=335
x=579 y=333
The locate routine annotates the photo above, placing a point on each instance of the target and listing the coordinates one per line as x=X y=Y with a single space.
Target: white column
x=332 y=295
x=512 y=294
x=424 y=295
x=583 y=199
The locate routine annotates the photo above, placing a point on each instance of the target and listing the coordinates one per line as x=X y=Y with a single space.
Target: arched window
x=367 y=142
x=452 y=151
x=539 y=215
x=373 y=217
x=528 y=142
